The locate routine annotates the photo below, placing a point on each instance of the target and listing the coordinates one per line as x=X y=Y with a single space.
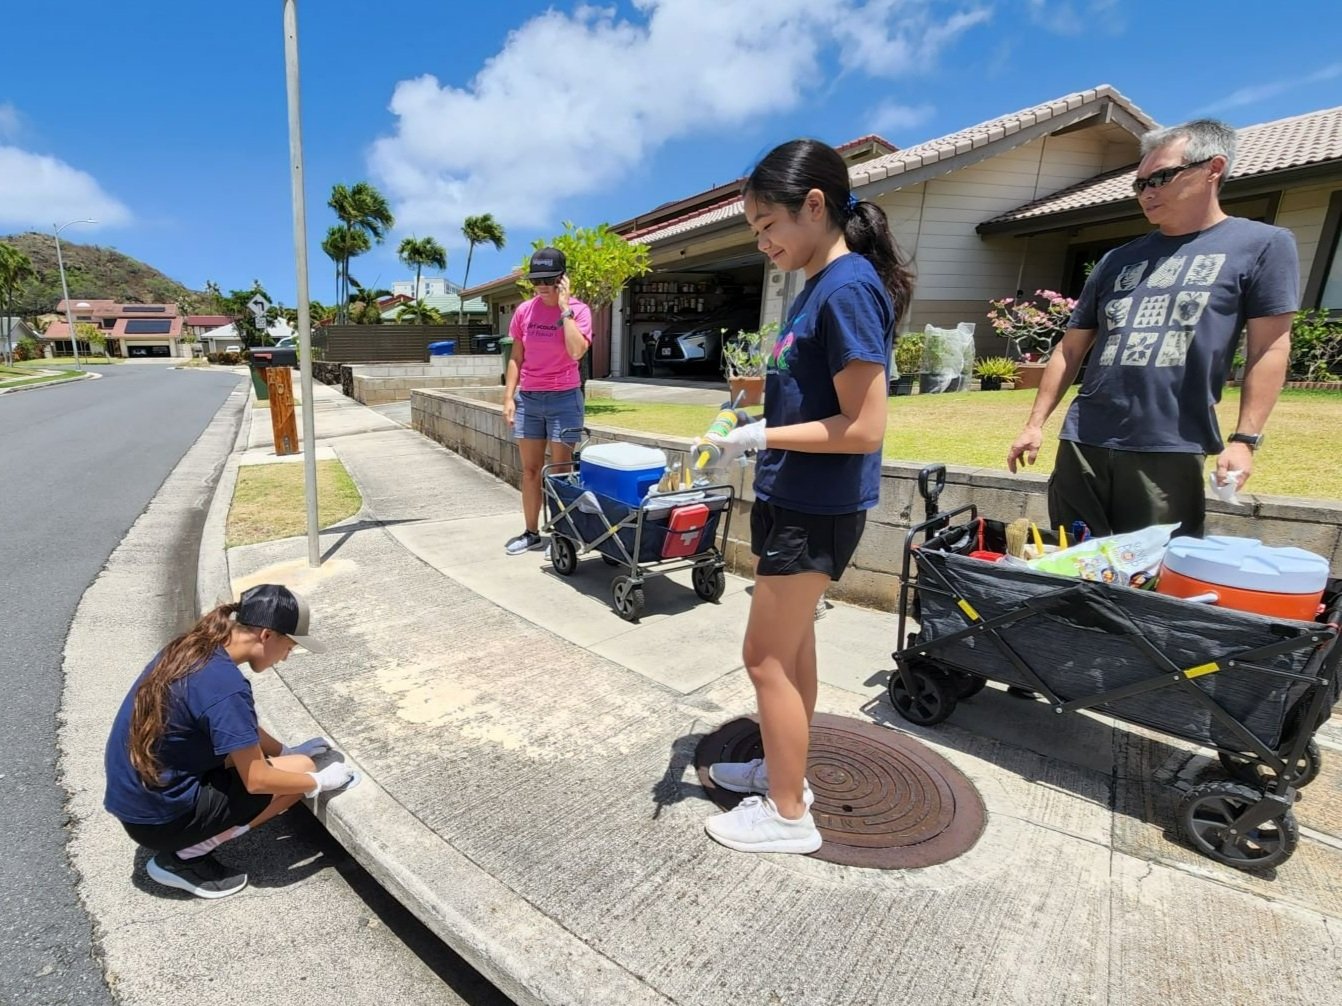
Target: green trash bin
x=258 y=382
x=505 y=354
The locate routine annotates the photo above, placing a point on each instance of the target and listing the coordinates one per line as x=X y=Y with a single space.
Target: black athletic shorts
x=789 y=541
x=221 y=803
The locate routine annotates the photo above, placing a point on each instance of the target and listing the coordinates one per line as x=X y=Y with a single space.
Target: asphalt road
x=78 y=463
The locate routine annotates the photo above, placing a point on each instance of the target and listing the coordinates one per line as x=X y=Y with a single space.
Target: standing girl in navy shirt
x=188 y=766
x=818 y=469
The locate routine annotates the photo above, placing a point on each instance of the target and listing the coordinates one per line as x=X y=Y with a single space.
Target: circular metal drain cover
x=882 y=800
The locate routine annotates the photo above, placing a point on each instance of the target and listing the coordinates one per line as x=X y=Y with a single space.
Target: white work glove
x=748 y=437
x=311 y=746
x=334 y=776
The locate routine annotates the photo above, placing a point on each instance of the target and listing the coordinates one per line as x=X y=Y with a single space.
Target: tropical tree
x=479 y=230
x=15 y=267
x=362 y=209
x=419 y=313
x=340 y=245
x=416 y=253
x=94 y=336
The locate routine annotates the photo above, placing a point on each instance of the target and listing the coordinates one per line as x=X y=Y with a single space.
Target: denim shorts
x=549 y=415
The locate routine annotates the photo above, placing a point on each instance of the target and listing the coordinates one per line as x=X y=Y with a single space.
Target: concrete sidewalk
x=529 y=791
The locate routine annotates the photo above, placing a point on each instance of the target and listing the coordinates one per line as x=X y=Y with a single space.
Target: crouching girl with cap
x=188 y=766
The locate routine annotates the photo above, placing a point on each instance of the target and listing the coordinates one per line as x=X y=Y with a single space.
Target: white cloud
x=40 y=191
x=1261 y=92
x=1065 y=17
x=573 y=103
x=890 y=118
x=9 y=121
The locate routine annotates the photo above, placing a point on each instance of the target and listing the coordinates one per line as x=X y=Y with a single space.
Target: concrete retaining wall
x=378 y=384
x=470 y=422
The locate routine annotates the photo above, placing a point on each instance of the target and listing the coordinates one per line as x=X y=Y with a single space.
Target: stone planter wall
x=378 y=384
x=470 y=422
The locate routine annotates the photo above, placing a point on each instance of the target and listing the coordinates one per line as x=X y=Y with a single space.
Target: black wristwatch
x=1254 y=440
x=567 y=313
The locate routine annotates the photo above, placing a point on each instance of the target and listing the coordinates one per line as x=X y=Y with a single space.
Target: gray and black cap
x=270 y=606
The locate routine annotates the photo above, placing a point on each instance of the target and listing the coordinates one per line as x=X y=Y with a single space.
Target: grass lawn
x=975 y=429
x=69 y=361
x=20 y=376
x=269 y=503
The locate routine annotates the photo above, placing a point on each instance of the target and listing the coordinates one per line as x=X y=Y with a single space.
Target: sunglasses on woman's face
x=553 y=281
x=1159 y=179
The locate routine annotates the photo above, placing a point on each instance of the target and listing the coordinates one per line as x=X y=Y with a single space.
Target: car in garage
x=694 y=344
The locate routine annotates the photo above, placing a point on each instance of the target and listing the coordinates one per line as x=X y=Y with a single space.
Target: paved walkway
x=529 y=789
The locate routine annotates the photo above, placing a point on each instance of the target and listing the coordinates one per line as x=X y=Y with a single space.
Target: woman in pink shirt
x=542 y=396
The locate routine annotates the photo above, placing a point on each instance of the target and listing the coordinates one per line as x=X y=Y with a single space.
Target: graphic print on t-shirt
x=1144 y=336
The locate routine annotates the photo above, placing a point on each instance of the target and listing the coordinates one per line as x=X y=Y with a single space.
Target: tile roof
x=116 y=309
x=1296 y=142
x=60 y=330
x=943 y=148
x=208 y=320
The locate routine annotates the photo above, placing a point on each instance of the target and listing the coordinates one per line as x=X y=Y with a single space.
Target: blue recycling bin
x=447 y=347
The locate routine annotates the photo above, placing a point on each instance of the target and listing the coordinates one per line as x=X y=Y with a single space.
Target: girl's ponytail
x=867 y=232
x=185 y=654
x=787 y=173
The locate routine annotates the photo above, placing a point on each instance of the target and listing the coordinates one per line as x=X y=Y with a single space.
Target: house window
x=1324 y=289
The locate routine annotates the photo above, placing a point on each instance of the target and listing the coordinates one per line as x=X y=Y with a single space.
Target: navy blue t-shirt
x=843 y=313
x=210 y=715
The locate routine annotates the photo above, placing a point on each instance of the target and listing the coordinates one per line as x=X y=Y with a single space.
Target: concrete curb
x=522 y=951
x=51 y=384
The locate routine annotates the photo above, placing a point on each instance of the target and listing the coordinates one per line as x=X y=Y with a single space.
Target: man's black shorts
x=789 y=541
x=221 y=803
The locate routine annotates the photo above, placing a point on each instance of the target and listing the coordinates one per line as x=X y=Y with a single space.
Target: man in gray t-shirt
x=1160 y=318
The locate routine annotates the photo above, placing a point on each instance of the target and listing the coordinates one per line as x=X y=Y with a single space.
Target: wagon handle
x=930 y=490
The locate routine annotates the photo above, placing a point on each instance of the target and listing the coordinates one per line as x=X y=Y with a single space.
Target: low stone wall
x=326 y=373
x=378 y=384
x=469 y=421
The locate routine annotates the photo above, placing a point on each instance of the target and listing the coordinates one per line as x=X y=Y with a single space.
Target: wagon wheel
x=929 y=701
x=563 y=555
x=1207 y=816
x=627 y=598
x=1255 y=773
x=967 y=685
x=710 y=582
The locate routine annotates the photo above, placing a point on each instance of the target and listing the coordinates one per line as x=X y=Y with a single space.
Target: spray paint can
x=707 y=453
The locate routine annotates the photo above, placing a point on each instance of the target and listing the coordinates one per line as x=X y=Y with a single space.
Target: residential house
x=12 y=330
x=1021 y=202
x=131 y=330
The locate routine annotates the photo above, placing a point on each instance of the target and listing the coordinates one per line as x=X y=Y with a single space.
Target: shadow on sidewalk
x=593 y=579
x=347 y=531
x=671 y=788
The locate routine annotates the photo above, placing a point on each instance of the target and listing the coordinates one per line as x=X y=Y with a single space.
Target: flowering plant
x=1032 y=325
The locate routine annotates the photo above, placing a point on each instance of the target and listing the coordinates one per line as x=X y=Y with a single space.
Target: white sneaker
x=756 y=826
x=751 y=777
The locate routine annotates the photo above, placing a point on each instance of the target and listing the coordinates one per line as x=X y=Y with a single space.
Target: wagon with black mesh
x=1253 y=688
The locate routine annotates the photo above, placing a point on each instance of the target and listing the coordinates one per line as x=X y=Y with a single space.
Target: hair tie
x=852 y=204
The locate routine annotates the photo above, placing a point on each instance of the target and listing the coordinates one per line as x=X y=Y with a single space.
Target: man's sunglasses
x=552 y=281
x=1159 y=179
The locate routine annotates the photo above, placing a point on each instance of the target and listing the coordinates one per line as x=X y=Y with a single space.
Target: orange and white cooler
x=1246 y=575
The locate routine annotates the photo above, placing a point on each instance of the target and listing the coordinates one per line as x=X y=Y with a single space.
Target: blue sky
x=167 y=122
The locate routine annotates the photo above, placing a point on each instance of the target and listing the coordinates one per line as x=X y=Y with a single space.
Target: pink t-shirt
x=546 y=365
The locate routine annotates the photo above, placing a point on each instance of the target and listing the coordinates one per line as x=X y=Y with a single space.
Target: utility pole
x=65 y=290
x=301 y=264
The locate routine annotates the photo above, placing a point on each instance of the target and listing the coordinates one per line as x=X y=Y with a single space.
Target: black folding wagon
x=1253 y=688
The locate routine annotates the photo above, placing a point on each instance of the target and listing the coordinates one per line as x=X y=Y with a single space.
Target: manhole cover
x=882 y=800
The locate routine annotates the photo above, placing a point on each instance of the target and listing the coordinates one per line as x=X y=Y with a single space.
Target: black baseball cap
x=547 y=264
x=270 y=606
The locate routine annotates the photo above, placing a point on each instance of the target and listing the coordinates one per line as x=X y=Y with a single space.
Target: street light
x=69 y=318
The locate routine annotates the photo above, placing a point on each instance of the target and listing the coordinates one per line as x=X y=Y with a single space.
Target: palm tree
x=478 y=231
x=15 y=267
x=340 y=245
x=362 y=210
x=419 y=313
x=416 y=253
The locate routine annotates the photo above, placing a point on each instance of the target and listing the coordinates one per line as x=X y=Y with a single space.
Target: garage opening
x=676 y=321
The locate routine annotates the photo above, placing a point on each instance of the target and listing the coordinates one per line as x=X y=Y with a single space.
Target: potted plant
x=744 y=359
x=993 y=370
x=948 y=358
x=908 y=361
x=1032 y=325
